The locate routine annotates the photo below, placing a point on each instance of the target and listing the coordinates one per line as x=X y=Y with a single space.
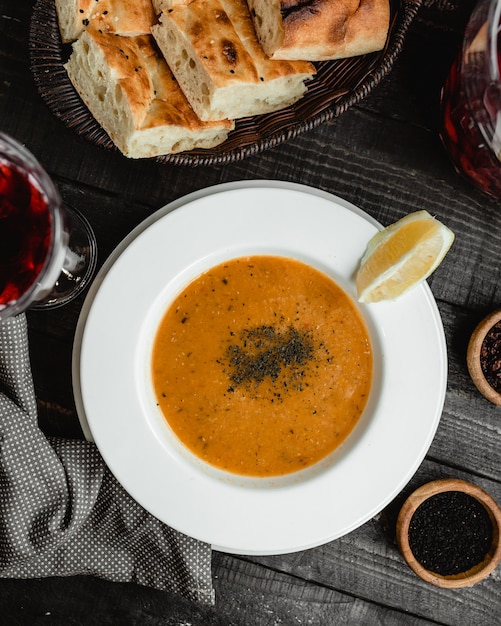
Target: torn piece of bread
x=123 y=17
x=212 y=49
x=128 y=87
x=320 y=30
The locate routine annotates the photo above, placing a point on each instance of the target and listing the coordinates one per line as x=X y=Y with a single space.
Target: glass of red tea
x=47 y=250
x=471 y=102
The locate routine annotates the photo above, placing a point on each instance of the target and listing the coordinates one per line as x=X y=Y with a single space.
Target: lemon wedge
x=401 y=256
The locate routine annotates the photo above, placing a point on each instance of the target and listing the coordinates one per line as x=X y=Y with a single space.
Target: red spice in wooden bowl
x=484 y=357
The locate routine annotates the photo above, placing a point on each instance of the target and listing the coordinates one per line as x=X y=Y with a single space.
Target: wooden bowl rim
x=473 y=357
x=478 y=572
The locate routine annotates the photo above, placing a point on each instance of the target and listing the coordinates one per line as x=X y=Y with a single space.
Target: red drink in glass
x=33 y=233
x=47 y=251
x=471 y=102
x=25 y=232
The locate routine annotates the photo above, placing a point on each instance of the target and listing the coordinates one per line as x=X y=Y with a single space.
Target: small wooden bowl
x=476 y=573
x=473 y=357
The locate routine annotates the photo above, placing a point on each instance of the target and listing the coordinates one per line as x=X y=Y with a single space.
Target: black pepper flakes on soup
x=264 y=352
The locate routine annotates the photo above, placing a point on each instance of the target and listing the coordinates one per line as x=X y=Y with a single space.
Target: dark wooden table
x=383 y=155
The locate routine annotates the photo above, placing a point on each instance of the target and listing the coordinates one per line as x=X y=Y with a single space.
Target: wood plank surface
x=385 y=156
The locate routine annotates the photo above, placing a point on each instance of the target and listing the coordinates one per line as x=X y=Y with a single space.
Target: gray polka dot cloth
x=62 y=512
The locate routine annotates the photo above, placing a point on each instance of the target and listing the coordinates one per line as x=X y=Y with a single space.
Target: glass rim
x=493 y=21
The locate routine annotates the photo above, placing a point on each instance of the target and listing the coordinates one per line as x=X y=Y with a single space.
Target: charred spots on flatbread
x=229 y=52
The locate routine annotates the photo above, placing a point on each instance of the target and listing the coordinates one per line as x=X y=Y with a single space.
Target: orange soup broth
x=262 y=366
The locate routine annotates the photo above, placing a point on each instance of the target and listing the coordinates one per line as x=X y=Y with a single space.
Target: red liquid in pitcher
x=461 y=134
x=25 y=232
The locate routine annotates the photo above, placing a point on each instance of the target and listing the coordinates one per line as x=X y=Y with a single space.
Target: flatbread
x=129 y=88
x=320 y=30
x=123 y=17
x=212 y=49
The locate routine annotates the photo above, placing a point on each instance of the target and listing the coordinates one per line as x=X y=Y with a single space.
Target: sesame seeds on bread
x=123 y=17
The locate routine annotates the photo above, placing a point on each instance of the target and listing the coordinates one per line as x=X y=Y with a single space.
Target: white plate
x=117 y=408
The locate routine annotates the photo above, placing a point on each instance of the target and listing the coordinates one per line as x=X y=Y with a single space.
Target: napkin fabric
x=63 y=513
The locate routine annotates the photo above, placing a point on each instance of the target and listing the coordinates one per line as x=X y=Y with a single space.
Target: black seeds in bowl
x=450 y=533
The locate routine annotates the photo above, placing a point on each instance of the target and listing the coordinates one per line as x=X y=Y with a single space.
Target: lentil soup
x=262 y=366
